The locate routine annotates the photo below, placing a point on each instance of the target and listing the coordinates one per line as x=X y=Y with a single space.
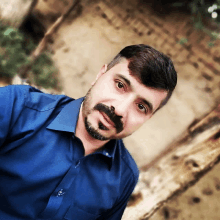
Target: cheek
x=93 y=117
x=105 y=89
x=133 y=123
x=96 y=94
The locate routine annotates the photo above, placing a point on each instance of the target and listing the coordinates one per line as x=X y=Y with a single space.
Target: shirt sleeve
x=117 y=211
x=12 y=99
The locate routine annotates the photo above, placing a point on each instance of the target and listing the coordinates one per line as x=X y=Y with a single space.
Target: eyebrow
x=128 y=82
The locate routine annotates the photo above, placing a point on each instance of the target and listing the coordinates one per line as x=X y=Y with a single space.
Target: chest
x=47 y=174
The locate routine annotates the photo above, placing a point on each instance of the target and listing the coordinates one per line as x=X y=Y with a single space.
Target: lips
x=108 y=113
x=107 y=119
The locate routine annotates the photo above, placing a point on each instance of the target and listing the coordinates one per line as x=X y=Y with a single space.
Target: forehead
x=122 y=66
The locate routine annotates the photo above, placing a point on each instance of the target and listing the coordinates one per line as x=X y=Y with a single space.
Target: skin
x=120 y=93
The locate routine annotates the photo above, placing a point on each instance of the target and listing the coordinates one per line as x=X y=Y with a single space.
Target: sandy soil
x=200 y=202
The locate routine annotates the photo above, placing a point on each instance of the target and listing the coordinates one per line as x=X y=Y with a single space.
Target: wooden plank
x=178 y=168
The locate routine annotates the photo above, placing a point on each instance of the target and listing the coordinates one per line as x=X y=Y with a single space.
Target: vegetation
x=15 y=50
x=205 y=14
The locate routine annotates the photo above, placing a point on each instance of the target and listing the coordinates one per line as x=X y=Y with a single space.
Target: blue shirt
x=43 y=171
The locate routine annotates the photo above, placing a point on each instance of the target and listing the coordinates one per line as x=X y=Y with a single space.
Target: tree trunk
x=181 y=166
x=13 y=12
x=23 y=72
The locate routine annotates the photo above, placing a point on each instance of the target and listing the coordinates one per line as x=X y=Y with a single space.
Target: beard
x=109 y=111
x=94 y=132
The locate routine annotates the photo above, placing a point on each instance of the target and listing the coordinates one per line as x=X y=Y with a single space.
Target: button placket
x=56 y=198
x=60 y=193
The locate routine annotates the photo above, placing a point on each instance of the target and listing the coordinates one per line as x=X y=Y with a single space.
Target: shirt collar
x=67 y=119
x=108 y=151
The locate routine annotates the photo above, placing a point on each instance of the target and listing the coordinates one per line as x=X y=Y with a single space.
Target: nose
x=121 y=109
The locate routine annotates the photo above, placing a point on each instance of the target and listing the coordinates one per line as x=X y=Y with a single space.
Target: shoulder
x=128 y=160
x=13 y=96
x=38 y=100
x=14 y=91
x=33 y=98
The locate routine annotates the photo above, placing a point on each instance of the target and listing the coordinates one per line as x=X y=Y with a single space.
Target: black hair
x=149 y=66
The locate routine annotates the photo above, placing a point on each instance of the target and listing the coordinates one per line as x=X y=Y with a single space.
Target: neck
x=90 y=144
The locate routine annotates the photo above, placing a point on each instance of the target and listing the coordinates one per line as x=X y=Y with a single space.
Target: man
x=64 y=159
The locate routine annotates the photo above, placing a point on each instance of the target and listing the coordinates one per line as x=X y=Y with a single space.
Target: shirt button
x=60 y=193
x=106 y=154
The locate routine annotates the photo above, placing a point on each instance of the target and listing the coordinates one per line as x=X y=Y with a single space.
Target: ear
x=101 y=72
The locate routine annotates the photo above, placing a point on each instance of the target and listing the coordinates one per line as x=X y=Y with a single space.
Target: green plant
x=205 y=15
x=15 y=49
x=183 y=41
x=44 y=71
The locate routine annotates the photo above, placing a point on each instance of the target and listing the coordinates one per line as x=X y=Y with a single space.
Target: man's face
x=117 y=104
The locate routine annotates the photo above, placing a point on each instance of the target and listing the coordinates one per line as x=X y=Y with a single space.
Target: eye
x=120 y=85
x=142 y=108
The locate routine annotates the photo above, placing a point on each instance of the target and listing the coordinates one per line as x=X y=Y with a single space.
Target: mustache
x=111 y=114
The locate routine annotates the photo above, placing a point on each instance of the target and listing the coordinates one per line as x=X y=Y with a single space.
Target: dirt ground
x=200 y=202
